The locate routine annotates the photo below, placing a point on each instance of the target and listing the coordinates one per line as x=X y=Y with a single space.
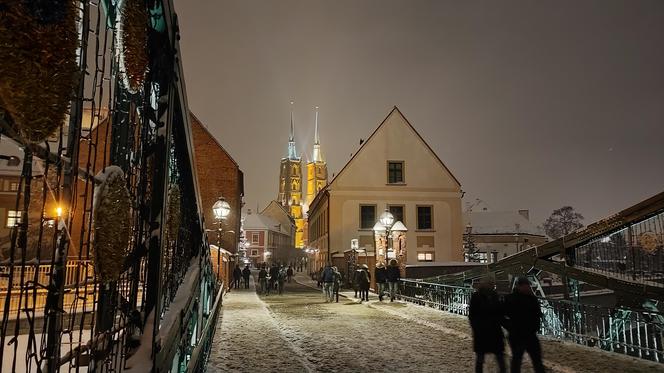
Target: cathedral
x=290 y=181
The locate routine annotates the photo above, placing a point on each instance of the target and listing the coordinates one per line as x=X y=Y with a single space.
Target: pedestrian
x=327 y=279
x=262 y=280
x=364 y=281
x=274 y=275
x=237 y=275
x=281 y=278
x=337 y=283
x=246 y=273
x=356 y=280
x=289 y=273
x=381 y=279
x=485 y=316
x=393 y=277
x=319 y=275
x=524 y=315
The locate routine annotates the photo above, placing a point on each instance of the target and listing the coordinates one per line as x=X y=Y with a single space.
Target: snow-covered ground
x=299 y=332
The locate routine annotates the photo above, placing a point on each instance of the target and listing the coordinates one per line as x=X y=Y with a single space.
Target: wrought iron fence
x=638 y=333
x=66 y=302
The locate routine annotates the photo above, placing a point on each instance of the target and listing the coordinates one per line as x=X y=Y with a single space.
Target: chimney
x=525 y=214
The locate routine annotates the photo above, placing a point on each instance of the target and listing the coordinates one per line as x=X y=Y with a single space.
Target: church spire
x=317 y=156
x=292 y=152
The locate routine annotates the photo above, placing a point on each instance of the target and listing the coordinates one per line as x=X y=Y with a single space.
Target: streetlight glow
x=386 y=218
x=221 y=209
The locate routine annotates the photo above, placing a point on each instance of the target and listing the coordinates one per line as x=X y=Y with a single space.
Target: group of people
x=387 y=279
x=273 y=278
x=241 y=274
x=519 y=313
x=330 y=280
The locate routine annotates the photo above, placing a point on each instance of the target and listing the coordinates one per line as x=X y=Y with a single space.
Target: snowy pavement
x=299 y=332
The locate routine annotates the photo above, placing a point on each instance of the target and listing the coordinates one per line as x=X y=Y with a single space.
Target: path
x=299 y=332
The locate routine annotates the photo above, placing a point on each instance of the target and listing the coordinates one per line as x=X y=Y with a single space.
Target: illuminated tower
x=316 y=168
x=290 y=186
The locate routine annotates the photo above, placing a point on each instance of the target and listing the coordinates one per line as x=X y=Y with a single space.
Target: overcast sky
x=532 y=105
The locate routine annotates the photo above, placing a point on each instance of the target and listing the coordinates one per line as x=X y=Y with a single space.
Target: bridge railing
x=637 y=333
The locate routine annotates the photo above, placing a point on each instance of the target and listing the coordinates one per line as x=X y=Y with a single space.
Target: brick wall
x=218 y=175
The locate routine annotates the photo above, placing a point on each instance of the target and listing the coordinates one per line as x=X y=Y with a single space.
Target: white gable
x=395 y=140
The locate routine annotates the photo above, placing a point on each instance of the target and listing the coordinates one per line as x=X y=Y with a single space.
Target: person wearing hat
x=523 y=313
x=381 y=279
x=363 y=281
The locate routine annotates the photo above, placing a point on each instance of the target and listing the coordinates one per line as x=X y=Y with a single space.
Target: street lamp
x=221 y=209
x=387 y=225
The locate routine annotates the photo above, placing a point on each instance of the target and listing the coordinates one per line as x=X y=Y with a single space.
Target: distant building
x=267 y=239
x=393 y=169
x=290 y=186
x=498 y=234
x=316 y=168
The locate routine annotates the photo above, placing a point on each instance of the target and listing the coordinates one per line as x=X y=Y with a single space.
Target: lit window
x=395 y=172
x=13 y=187
x=13 y=218
x=425 y=256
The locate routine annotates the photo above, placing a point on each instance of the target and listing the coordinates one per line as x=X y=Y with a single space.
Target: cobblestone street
x=299 y=332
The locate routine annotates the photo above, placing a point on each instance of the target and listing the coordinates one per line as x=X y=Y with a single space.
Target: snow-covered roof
x=262 y=222
x=500 y=222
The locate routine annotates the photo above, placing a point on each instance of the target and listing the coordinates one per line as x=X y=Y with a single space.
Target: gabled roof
x=280 y=207
x=262 y=222
x=395 y=109
x=195 y=121
x=500 y=222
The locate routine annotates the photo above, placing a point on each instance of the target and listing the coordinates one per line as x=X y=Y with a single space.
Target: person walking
x=327 y=279
x=381 y=279
x=289 y=273
x=364 y=281
x=486 y=315
x=246 y=273
x=524 y=315
x=262 y=280
x=356 y=280
x=274 y=275
x=393 y=277
x=337 y=283
x=281 y=278
x=237 y=275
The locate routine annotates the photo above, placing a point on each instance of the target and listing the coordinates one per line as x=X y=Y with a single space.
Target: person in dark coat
x=485 y=316
x=524 y=315
x=237 y=275
x=364 y=282
x=289 y=273
x=393 y=277
x=356 y=280
x=262 y=280
x=274 y=276
x=381 y=279
x=246 y=273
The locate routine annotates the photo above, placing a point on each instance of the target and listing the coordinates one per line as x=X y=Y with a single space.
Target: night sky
x=531 y=105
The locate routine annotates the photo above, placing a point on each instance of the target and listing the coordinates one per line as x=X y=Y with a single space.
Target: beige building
x=498 y=234
x=393 y=169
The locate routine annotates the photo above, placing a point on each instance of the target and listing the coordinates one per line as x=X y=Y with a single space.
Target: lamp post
x=387 y=225
x=221 y=209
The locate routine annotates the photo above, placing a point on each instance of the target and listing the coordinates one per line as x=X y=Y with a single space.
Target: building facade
x=268 y=241
x=393 y=169
x=290 y=187
x=316 y=168
x=498 y=234
x=218 y=175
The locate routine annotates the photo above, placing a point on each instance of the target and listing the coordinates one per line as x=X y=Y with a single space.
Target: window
x=425 y=256
x=255 y=238
x=254 y=252
x=13 y=218
x=13 y=187
x=424 y=217
x=367 y=216
x=394 y=172
x=397 y=211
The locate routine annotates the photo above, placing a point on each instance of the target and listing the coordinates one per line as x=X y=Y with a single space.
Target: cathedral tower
x=290 y=186
x=316 y=168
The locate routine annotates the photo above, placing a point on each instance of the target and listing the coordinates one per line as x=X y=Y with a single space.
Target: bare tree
x=562 y=222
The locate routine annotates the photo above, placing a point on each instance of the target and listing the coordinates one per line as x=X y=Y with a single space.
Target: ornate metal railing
x=106 y=267
x=635 y=332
